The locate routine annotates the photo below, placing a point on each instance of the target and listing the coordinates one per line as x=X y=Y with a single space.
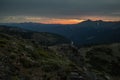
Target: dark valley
x=82 y=34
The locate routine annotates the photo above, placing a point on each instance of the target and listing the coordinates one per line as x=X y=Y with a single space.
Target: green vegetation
x=44 y=56
x=103 y=59
x=21 y=58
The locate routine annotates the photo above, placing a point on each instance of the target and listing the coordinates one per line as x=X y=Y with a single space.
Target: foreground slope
x=103 y=58
x=21 y=60
x=24 y=57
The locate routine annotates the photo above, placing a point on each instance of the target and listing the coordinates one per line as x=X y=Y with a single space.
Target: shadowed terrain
x=28 y=55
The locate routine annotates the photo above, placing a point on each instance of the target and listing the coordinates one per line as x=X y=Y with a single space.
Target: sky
x=58 y=11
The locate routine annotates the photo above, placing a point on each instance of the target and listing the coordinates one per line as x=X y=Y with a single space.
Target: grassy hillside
x=21 y=60
x=22 y=57
x=26 y=55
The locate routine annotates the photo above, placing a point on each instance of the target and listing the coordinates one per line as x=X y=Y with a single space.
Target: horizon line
x=61 y=23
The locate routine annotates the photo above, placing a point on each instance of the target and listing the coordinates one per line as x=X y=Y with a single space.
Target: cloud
x=44 y=20
x=60 y=8
x=54 y=20
x=12 y=19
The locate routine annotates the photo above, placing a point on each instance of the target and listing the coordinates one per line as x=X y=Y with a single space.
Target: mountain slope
x=85 y=33
x=43 y=38
x=23 y=59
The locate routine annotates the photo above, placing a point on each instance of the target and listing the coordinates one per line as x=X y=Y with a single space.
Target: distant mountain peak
x=86 y=22
x=89 y=20
x=93 y=21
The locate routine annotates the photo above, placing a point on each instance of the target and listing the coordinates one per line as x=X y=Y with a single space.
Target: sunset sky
x=58 y=11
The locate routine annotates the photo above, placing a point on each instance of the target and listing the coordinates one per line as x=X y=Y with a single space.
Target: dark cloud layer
x=60 y=8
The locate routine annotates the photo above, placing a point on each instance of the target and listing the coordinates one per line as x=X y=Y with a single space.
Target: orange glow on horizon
x=54 y=21
x=63 y=21
x=46 y=20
